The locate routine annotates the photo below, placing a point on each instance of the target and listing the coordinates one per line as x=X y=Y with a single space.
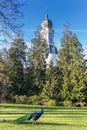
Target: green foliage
x=37 y=58
x=34 y=100
x=20 y=99
x=23 y=99
x=16 y=64
x=51 y=103
x=73 y=68
x=52 y=86
x=31 y=88
x=25 y=77
x=4 y=70
x=67 y=103
x=80 y=104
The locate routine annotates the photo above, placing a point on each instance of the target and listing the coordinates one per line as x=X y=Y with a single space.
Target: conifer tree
x=38 y=54
x=73 y=68
x=52 y=86
x=4 y=74
x=17 y=58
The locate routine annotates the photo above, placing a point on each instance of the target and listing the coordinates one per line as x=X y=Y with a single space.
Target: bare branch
x=10 y=13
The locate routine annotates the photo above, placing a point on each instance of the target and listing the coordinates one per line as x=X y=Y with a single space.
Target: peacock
x=35 y=116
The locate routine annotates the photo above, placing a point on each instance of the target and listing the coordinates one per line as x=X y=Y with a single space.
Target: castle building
x=48 y=33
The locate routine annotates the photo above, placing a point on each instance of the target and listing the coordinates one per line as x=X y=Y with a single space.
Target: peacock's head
x=42 y=110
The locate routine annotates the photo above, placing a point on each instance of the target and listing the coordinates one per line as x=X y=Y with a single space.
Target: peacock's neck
x=41 y=112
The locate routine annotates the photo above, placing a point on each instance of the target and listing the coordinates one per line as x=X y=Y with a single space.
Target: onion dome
x=47 y=23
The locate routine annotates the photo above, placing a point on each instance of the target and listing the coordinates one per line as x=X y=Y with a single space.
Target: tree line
x=24 y=74
x=26 y=78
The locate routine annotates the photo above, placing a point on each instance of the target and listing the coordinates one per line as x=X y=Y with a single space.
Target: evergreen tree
x=73 y=68
x=17 y=58
x=78 y=72
x=38 y=55
x=52 y=86
x=31 y=88
x=3 y=75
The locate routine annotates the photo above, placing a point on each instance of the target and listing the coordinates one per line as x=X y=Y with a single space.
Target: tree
x=78 y=71
x=17 y=58
x=38 y=55
x=3 y=74
x=10 y=13
x=73 y=68
x=52 y=86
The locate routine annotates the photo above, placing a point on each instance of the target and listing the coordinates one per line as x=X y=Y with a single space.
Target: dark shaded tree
x=17 y=59
x=3 y=74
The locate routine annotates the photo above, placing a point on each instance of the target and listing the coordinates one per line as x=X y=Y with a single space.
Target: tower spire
x=47 y=13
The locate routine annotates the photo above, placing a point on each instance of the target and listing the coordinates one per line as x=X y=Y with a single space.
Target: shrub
x=34 y=100
x=44 y=101
x=80 y=104
x=52 y=102
x=67 y=103
x=21 y=99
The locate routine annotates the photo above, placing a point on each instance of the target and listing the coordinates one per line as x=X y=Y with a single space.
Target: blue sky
x=60 y=12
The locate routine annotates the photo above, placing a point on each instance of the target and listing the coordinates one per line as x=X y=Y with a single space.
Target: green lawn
x=54 y=118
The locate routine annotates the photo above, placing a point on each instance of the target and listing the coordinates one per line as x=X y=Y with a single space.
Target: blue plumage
x=35 y=116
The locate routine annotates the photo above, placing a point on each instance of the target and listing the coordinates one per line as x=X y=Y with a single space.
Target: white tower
x=48 y=33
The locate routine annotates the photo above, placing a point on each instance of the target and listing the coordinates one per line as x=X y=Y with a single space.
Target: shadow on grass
x=44 y=124
x=49 y=124
x=55 y=124
x=37 y=123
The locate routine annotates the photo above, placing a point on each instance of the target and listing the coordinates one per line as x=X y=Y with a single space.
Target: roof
x=47 y=22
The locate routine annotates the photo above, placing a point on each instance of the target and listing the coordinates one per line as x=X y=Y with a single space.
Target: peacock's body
x=35 y=116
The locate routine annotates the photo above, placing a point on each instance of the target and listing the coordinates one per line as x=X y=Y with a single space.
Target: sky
x=59 y=12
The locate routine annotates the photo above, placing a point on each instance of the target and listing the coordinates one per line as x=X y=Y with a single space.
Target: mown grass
x=54 y=118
